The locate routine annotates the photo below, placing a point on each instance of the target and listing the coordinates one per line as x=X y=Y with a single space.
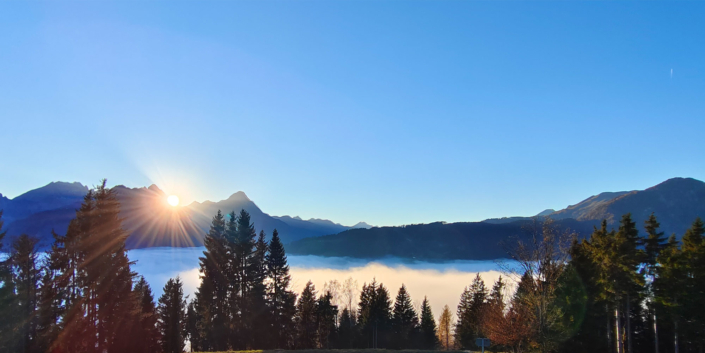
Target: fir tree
x=326 y=315
x=244 y=268
x=347 y=329
x=281 y=298
x=670 y=287
x=146 y=336
x=258 y=292
x=27 y=278
x=404 y=320
x=472 y=304
x=212 y=294
x=99 y=305
x=7 y=300
x=428 y=338
x=192 y=322
x=693 y=253
x=53 y=294
x=172 y=317
x=306 y=325
x=374 y=315
x=654 y=243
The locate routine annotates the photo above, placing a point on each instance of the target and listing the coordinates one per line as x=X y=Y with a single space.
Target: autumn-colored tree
x=446 y=336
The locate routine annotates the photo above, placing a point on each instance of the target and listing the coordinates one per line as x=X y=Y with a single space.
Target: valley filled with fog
x=442 y=282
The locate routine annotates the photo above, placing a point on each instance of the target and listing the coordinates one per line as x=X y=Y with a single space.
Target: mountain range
x=147 y=217
x=676 y=202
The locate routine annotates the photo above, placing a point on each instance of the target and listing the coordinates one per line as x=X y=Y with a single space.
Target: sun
x=173 y=200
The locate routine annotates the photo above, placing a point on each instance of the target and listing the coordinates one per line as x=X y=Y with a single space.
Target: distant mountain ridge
x=676 y=203
x=149 y=220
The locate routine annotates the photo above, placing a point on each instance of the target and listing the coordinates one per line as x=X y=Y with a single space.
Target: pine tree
x=374 y=315
x=258 y=293
x=470 y=309
x=146 y=336
x=192 y=321
x=244 y=268
x=172 y=317
x=212 y=296
x=281 y=298
x=100 y=305
x=404 y=320
x=347 y=330
x=27 y=278
x=7 y=300
x=596 y=323
x=693 y=252
x=428 y=337
x=53 y=294
x=654 y=243
x=326 y=317
x=306 y=325
x=670 y=287
x=493 y=318
x=445 y=329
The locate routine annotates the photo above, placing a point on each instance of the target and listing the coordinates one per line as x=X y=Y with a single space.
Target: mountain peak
x=56 y=188
x=678 y=183
x=154 y=187
x=545 y=212
x=362 y=225
x=239 y=196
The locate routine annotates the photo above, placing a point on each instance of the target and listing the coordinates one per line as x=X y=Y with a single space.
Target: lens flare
x=173 y=200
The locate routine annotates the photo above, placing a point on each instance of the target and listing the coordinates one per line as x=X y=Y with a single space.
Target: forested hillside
x=434 y=241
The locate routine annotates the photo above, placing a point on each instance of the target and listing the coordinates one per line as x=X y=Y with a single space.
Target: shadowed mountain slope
x=433 y=241
x=676 y=203
x=149 y=219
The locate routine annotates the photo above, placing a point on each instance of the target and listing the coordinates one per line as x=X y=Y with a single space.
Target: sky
x=390 y=112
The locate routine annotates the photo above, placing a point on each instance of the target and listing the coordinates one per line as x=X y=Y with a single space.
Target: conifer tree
x=404 y=320
x=146 y=336
x=27 y=278
x=347 y=329
x=654 y=243
x=52 y=294
x=693 y=252
x=281 y=298
x=244 y=268
x=326 y=315
x=99 y=305
x=261 y=325
x=472 y=304
x=445 y=329
x=374 y=315
x=192 y=322
x=212 y=294
x=7 y=300
x=670 y=286
x=172 y=317
x=428 y=337
x=492 y=320
x=306 y=323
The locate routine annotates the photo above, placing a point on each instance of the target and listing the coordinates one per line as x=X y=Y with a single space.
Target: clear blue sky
x=391 y=112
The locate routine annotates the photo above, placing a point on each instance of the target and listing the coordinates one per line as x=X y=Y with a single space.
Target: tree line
x=618 y=291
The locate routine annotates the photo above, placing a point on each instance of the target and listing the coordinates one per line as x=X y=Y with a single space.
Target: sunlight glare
x=173 y=200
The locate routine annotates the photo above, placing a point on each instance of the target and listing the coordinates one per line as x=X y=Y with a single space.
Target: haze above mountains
x=676 y=202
